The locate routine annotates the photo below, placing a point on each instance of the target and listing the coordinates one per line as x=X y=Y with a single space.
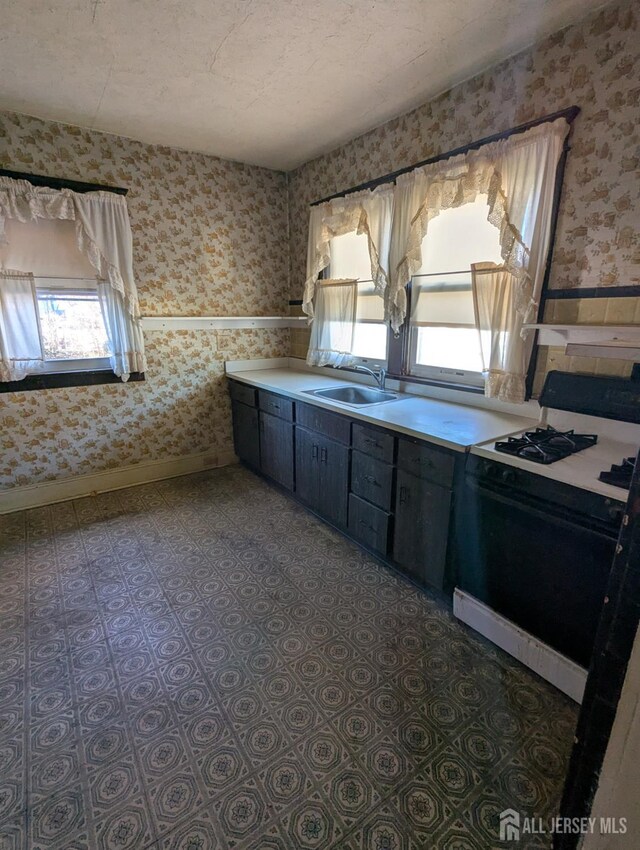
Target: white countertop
x=454 y=426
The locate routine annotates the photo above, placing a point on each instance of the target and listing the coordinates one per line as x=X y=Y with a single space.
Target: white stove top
x=616 y=440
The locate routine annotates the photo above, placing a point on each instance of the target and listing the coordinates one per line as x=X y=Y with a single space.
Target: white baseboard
x=565 y=674
x=50 y=492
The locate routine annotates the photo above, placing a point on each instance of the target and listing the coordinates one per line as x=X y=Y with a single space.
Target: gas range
x=577 y=441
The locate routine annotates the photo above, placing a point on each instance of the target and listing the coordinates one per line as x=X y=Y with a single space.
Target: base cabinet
x=392 y=494
x=322 y=475
x=276 y=449
x=421 y=528
x=246 y=435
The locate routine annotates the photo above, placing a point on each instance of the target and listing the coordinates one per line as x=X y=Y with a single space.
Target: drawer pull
x=371 y=480
x=366 y=525
x=404 y=493
x=373 y=443
x=323 y=454
x=314 y=451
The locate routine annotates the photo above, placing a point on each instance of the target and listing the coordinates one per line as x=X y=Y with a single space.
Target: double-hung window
x=350 y=260
x=444 y=341
x=74 y=337
x=69 y=315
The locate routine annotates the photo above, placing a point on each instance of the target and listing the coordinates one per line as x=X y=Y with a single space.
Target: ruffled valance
x=517 y=174
x=103 y=230
x=366 y=212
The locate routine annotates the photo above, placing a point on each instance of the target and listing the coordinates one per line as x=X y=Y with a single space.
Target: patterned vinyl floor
x=200 y=663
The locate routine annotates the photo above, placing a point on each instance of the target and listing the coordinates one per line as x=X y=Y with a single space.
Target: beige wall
x=209 y=239
x=594 y=65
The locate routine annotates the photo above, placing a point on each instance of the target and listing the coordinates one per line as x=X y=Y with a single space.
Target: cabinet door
x=245 y=434
x=333 y=481
x=276 y=449
x=421 y=528
x=307 y=472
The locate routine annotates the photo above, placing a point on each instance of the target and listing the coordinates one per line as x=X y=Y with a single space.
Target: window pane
x=369 y=306
x=459 y=237
x=449 y=348
x=350 y=257
x=445 y=301
x=370 y=341
x=72 y=325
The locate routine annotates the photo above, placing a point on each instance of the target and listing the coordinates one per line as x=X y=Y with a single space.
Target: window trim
x=66 y=380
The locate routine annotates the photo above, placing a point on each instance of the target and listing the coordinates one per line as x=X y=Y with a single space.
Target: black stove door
x=541 y=569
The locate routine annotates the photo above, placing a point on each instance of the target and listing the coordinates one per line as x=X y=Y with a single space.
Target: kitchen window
x=74 y=337
x=458 y=247
x=444 y=341
x=350 y=260
x=69 y=313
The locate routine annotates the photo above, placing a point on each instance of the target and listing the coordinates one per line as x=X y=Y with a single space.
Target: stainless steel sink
x=355 y=396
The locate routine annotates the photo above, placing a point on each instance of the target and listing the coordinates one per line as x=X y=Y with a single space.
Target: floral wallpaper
x=594 y=65
x=209 y=239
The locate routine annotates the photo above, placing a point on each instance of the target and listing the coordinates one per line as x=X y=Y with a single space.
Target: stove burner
x=620 y=473
x=546 y=445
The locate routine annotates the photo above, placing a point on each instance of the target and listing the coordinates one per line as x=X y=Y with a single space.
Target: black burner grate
x=546 y=445
x=620 y=473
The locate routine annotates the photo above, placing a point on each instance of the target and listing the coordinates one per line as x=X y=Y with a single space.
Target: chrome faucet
x=379 y=376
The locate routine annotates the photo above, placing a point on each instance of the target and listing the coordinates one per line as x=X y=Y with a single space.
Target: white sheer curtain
x=20 y=340
x=123 y=333
x=333 y=328
x=103 y=238
x=504 y=354
x=367 y=212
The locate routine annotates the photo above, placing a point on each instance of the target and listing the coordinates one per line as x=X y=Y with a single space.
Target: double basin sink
x=355 y=396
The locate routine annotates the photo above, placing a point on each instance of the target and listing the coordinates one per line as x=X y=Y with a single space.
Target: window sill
x=60 y=380
x=431 y=382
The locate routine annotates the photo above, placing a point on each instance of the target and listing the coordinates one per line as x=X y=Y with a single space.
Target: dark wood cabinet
x=369 y=524
x=246 y=439
x=393 y=494
x=333 y=463
x=276 y=449
x=322 y=475
x=321 y=421
x=421 y=528
x=372 y=480
x=307 y=479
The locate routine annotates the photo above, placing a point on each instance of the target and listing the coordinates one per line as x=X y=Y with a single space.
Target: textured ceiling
x=270 y=82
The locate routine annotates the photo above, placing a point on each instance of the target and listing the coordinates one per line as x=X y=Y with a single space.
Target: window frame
x=441 y=374
x=369 y=362
x=76 y=364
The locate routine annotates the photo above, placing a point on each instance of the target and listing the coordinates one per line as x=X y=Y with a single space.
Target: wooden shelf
x=620 y=342
x=215 y=323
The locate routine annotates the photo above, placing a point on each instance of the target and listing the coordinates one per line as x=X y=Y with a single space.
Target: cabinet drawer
x=332 y=426
x=374 y=443
x=426 y=461
x=371 y=479
x=276 y=405
x=243 y=393
x=368 y=524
